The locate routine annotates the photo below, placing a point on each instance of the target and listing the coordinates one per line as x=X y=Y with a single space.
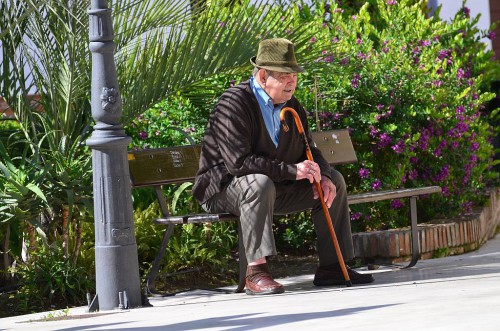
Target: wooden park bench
x=177 y=165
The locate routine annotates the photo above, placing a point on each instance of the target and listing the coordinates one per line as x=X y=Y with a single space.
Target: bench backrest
x=179 y=164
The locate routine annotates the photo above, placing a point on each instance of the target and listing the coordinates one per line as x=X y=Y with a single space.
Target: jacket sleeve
x=234 y=130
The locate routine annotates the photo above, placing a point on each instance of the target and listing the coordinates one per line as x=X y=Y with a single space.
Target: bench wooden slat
x=391 y=194
x=195 y=218
x=161 y=166
x=335 y=145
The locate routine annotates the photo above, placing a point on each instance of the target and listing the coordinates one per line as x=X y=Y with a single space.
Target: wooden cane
x=318 y=186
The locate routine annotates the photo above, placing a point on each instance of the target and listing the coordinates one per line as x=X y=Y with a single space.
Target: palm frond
x=167 y=59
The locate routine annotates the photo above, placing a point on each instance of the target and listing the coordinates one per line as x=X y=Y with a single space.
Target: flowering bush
x=412 y=99
x=410 y=88
x=168 y=123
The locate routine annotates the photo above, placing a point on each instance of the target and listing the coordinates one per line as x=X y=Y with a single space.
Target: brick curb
x=436 y=239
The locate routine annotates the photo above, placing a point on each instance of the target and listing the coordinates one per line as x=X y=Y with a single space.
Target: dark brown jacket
x=237 y=143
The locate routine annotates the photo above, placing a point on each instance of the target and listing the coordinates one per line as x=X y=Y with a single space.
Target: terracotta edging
x=439 y=238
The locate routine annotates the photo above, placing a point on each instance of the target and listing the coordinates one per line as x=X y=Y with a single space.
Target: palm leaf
x=167 y=59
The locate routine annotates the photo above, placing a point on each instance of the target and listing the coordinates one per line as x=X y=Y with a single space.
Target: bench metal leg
x=157 y=262
x=415 y=250
x=243 y=262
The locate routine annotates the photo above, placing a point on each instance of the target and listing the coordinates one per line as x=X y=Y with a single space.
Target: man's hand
x=308 y=170
x=329 y=190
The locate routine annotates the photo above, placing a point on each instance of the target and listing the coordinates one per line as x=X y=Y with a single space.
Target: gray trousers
x=256 y=198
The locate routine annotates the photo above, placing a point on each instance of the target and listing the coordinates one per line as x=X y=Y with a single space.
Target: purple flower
x=391 y=2
x=364 y=173
x=385 y=140
x=143 y=135
x=424 y=140
x=313 y=40
x=439 y=71
x=355 y=81
x=442 y=144
x=443 y=54
x=473 y=159
x=491 y=35
x=358 y=41
x=413 y=174
x=467 y=207
x=399 y=147
x=474 y=146
x=356 y=216
x=443 y=173
x=460 y=73
x=460 y=110
x=380 y=106
x=425 y=43
x=466 y=12
x=299 y=7
x=362 y=56
x=376 y=184
x=413 y=160
x=437 y=83
x=354 y=17
x=396 y=204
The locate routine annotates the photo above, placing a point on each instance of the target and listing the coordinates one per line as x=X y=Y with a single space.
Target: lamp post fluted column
x=116 y=261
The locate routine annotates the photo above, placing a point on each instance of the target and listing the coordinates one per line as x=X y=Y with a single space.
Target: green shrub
x=168 y=123
x=413 y=100
x=50 y=281
x=294 y=234
x=194 y=245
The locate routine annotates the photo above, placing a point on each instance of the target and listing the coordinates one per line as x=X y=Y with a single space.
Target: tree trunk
x=6 y=262
x=31 y=237
x=65 y=237
x=78 y=241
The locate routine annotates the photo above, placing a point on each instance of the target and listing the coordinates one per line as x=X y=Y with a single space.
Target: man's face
x=280 y=86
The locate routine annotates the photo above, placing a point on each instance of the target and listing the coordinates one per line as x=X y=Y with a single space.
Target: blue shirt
x=270 y=113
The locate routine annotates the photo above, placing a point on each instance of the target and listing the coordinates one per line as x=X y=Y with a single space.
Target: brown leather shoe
x=332 y=275
x=259 y=281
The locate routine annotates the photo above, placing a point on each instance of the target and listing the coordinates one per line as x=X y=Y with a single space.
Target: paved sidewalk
x=452 y=293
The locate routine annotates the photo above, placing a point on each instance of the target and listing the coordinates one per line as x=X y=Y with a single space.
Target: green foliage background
x=413 y=91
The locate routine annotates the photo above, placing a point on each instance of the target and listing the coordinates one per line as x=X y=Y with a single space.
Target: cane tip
x=348 y=283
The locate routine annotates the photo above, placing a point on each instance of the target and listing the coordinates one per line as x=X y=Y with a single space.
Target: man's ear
x=262 y=76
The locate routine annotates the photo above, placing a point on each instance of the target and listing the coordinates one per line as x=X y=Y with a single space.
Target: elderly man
x=251 y=168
